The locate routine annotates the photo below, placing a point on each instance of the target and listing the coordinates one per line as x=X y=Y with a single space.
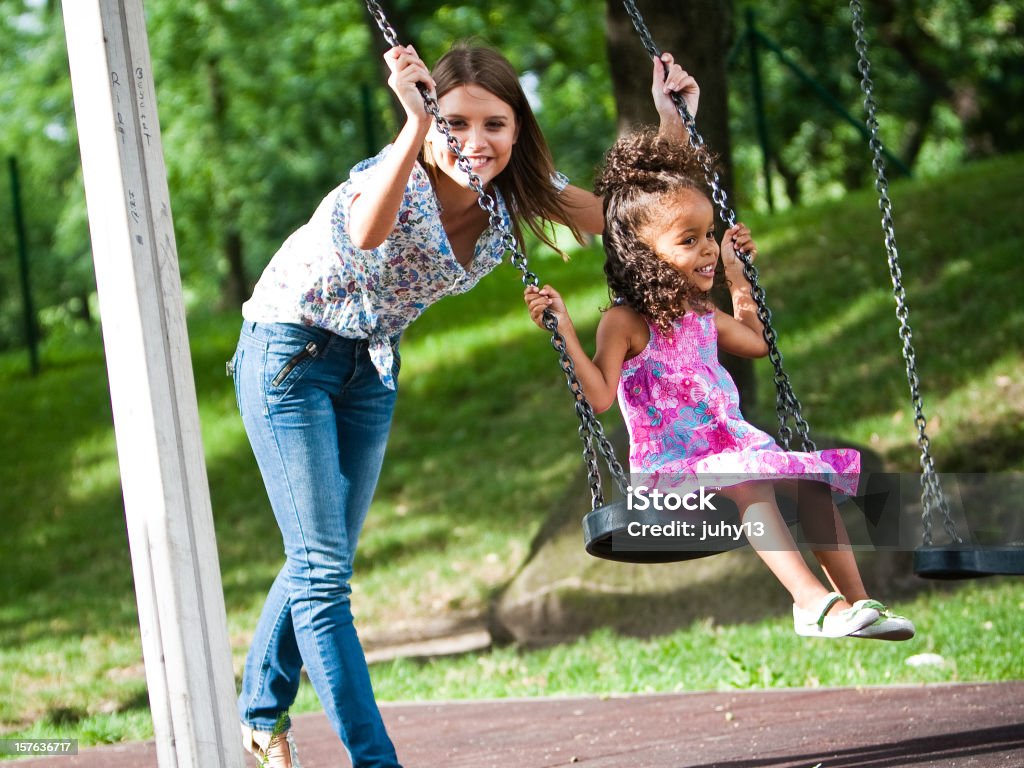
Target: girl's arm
x=663 y=85
x=742 y=333
x=600 y=376
x=587 y=209
x=374 y=211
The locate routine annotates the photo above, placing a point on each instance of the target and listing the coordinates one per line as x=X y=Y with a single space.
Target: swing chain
x=585 y=412
x=382 y=22
x=590 y=427
x=931 y=489
x=787 y=406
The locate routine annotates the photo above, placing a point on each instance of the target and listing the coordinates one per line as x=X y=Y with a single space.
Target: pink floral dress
x=681 y=409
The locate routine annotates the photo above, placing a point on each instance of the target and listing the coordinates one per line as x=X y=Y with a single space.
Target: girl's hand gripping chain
x=737 y=238
x=669 y=78
x=540 y=299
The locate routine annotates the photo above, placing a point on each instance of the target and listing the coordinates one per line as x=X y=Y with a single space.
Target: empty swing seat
x=965 y=561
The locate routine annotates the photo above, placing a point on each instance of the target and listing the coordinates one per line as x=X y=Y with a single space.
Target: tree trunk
x=235 y=287
x=236 y=282
x=699 y=34
x=791 y=179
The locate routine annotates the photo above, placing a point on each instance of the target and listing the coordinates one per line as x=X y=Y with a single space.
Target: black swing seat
x=966 y=561
x=615 y=532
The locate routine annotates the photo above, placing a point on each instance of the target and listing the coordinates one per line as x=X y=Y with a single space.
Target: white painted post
x=156 y=416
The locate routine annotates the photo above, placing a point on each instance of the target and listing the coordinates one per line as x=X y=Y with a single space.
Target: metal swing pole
x=156 y=417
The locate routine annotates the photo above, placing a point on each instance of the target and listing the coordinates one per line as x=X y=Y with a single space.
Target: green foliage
x=37 y=130
x=265 y=105
x=255 y=135
x=942 y=77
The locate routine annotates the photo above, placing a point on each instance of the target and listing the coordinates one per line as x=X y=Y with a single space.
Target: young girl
x=657 y=352
x=317 y=363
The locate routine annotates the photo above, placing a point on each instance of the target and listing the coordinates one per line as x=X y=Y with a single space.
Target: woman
x=317 y=363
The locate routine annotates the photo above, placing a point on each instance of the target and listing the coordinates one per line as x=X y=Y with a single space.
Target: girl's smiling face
x=682 y=234
x=486 y=128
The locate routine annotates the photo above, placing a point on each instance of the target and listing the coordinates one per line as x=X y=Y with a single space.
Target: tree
x=944 y=73
x=699 y=34
x=37 y=127
x=965 y=54
x=260 y=104
x=265 y=106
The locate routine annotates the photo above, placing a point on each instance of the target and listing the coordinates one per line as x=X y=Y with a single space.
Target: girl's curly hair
x=639 y=171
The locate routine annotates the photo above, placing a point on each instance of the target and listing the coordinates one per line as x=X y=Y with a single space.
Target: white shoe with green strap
x=888 y=625
x=818 y=622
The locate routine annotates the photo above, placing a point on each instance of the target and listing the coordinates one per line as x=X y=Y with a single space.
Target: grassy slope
x=483 y=442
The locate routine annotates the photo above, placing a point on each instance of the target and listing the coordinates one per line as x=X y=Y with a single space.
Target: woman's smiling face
x=486 y=128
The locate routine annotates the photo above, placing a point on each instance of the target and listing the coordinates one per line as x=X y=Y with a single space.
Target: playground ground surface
x=920 y=726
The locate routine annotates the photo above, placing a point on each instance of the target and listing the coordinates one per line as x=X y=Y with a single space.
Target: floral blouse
x=319 y=278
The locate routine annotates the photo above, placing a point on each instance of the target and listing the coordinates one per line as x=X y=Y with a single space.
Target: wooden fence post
x=156 y=416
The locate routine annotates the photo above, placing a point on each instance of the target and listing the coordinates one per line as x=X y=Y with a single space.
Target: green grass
x=483 y=445
x=974 y=630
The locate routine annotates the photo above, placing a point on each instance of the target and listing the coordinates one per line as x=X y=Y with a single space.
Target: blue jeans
x=317 y=416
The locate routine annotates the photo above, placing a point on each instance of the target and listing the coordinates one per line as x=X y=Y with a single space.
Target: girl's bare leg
x=824 y=528
x=757 y=504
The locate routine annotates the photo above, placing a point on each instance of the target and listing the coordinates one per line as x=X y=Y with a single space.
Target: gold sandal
x=271 y=750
